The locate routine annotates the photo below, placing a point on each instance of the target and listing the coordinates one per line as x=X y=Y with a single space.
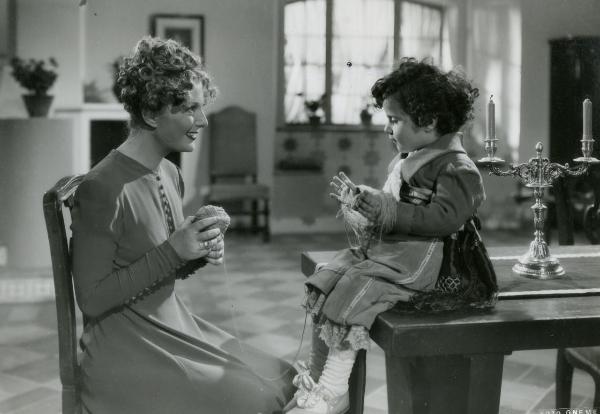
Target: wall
x=239 y=49
x=544 y=20
x=240 y=40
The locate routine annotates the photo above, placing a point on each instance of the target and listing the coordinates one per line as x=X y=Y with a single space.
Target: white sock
x=337 y=371
x=318 y=354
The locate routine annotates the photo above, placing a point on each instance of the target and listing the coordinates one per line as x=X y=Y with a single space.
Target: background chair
x=584 y=358
x=58 y=196
x=233 y=167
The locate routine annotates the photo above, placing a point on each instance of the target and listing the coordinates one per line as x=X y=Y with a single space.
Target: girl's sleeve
x=97 y=225
x=457 y=195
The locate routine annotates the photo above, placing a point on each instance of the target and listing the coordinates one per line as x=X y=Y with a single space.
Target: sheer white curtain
x=420 y=30
x=304 y=56
x=362 y=52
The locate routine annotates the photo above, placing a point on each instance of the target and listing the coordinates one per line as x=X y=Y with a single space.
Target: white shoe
x=318 y=401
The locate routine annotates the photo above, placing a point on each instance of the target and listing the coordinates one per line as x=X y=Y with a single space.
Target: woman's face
x=177 y=127
x=402 y=131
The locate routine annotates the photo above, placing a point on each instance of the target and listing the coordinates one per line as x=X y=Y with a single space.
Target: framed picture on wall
x=186 y=29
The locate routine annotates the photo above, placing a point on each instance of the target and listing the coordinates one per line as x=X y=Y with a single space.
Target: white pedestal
x=34 y=154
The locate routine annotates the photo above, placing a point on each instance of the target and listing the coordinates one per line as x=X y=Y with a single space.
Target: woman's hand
x=368 y=203
x=193 y=240
x=217 y=251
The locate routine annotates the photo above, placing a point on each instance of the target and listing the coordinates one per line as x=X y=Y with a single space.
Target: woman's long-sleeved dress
x=143 y=351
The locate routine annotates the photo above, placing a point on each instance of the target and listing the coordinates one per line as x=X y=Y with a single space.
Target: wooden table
x=452 y=362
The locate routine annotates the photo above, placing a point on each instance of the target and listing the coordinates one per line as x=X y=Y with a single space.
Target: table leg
x=454 y=384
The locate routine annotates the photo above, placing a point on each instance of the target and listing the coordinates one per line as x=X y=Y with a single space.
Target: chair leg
x=564 y=380
x=597 y=393
x=266 y=228
x=254 y=216
x=69 y=400
x=357 y=383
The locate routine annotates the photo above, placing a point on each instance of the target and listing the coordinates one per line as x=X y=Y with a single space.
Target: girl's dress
x=143 y=351
x=437 y=189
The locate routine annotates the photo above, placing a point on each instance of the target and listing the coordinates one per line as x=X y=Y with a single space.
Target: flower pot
x=37 y=105
x=366 y=118
x=314 y=120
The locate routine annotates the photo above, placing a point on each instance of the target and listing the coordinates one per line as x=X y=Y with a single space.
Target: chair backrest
x=54 y=199
x=232 y=133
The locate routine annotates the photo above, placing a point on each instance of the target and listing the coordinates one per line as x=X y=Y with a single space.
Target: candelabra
x=539 y=173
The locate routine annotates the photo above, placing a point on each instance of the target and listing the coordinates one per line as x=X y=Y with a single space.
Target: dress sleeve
x=100 y=285
x=457 y=194
x=191 y=266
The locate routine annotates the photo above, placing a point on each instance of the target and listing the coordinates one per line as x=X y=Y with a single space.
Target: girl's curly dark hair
x=426 y=94
x=158 y=73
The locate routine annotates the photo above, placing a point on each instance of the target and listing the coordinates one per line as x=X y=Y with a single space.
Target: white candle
x=587 y=119
x=491 y=119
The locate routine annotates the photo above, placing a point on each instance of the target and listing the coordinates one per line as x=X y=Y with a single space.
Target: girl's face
x=402 y=131
x=177 y=127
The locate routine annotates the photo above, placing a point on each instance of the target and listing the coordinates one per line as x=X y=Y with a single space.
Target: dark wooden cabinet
x=574 y=76
x=106 y=135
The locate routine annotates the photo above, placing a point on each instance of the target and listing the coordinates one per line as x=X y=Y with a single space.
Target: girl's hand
x=193 y=240
x=368 y=203
x=342 y=185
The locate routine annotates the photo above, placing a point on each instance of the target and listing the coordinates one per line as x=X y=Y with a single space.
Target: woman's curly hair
x=158 y=73
x=425 y=93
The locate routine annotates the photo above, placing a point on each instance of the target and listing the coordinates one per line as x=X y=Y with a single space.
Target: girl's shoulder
x=454 y=162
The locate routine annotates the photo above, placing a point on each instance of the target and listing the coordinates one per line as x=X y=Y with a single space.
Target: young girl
x=409 y=232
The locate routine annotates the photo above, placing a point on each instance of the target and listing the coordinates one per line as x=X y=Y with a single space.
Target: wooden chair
x=59 y=196
x=233 y=167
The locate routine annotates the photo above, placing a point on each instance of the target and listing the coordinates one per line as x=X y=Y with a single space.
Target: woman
x=143 y=351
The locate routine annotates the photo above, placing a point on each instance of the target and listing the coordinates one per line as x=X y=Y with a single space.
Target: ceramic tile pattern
x=256 y=295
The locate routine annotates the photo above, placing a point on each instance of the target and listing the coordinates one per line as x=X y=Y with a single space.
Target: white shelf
x=83 y=116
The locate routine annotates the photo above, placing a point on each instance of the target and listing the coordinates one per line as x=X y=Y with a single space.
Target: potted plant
x=314 y=110
x=37 y=77
x=366 y=114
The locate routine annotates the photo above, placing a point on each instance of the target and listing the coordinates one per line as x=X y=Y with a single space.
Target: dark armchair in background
x=233 y=167
x=585 y=358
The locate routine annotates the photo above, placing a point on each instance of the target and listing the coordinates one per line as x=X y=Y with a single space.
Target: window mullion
x=443 y=15
x=328 y=58
x=397 y=23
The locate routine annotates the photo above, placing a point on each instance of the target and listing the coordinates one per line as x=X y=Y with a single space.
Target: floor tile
x=26 y=399
x=260 y=299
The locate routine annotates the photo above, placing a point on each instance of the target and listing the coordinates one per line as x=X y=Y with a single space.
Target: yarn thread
x=223 y=223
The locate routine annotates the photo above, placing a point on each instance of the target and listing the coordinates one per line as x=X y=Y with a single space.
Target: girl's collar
x=417 y=159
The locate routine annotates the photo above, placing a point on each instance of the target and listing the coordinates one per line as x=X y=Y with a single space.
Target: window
x=335 y=49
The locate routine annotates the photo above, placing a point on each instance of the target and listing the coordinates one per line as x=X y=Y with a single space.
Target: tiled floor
x=256 y=296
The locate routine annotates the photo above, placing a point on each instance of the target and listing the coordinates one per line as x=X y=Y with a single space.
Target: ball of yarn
x=223 y=219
